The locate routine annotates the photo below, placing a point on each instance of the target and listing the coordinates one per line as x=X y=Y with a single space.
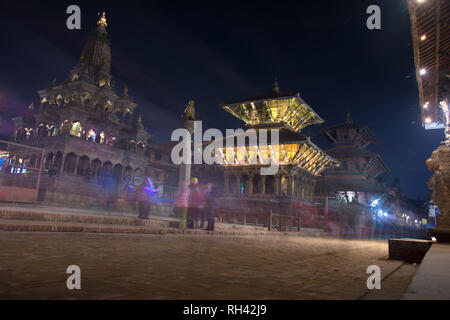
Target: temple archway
x=70 y=163
x=96 y=168
x=84 y=166
x=117 y=173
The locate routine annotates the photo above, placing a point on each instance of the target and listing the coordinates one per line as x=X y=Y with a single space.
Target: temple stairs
x=29 y=219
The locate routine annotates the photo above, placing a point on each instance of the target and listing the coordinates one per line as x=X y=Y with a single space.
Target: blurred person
x=143 y=203
x=195 y=203
x=182 y=205
x=211 y=206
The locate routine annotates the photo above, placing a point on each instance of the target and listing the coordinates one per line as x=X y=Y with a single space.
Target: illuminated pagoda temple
x=355 y=178
x=94 y=152
x=300 y=161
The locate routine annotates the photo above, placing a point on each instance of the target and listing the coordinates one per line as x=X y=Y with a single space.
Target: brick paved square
x=120 y=266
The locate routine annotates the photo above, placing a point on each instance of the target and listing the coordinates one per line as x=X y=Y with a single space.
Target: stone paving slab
x=122 y=266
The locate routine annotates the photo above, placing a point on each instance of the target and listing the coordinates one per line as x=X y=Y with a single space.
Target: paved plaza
x=121 y=266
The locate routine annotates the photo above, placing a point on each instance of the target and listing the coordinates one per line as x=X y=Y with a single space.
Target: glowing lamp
x=422 y=71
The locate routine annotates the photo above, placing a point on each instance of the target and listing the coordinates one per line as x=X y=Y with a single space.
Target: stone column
x=225 y=186
x=63 y=163
x=250 y=184
x=439 y=162
x=277 y=184
x=184 y=178
x=289 y=191
x=75 y=170
x=263 y=184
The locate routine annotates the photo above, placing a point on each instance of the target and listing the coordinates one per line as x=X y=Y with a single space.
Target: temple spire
x=96 y=54
x=102 y=21
x=275 y=87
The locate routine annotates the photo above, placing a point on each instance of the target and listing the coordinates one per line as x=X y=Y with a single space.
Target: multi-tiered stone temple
x=94 y=151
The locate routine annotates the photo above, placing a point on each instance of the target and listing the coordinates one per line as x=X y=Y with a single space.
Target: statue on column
x=184 y=178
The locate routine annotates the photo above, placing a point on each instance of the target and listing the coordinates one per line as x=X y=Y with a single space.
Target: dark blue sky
x=172 y=51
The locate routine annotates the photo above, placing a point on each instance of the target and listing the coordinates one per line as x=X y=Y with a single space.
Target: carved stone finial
x=349 y=118
x=31 y=106
x=275 y=86
x=102 y=21
x=139 y=119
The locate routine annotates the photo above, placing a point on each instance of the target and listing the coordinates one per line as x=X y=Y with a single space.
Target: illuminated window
x=102 y=137
x=91 y=136
x=76 y=129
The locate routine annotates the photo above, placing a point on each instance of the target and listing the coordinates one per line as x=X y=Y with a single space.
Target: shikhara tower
x=92 y=145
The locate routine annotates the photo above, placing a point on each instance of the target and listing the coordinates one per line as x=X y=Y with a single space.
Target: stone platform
x=432 y=279
x=408 y=250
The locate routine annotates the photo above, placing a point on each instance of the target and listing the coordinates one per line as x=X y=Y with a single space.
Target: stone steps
x=79 y=218
x=41 y=221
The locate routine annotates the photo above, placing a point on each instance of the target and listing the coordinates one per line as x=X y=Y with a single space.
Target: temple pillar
x=439 y=163
x=250 y=184
x=225 y=185
x=263 y=184
x=75 y=170
x=63 y=163
x=289 y=191
x=277 y=181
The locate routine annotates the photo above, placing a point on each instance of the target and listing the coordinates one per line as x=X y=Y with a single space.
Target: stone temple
x=93 y=150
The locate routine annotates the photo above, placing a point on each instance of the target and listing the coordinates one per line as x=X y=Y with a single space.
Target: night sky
x=169 y=52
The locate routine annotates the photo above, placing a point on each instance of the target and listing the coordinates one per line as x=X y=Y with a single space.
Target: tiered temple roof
x=359 y=167
x=275 y=109
x=286 y=112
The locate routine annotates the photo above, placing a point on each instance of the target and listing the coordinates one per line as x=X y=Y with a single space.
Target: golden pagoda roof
x=274 y=108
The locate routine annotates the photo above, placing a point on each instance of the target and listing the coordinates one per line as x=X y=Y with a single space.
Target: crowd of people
x=199 y=202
